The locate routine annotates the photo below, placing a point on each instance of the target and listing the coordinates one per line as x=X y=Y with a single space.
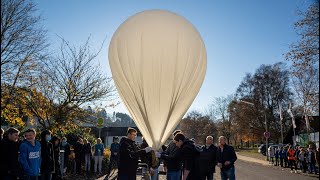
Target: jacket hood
x=28 y=143
x=187 y=141
x=125 y=139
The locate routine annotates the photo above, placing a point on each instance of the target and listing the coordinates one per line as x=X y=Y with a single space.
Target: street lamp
x=266 y=134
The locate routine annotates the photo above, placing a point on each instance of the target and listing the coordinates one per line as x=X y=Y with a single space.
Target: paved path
x=252 y=169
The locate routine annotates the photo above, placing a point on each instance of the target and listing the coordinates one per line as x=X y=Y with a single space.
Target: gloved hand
x=148 y=149
x=158 y=155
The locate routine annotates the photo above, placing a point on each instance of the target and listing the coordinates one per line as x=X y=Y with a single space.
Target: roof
x=112 y=131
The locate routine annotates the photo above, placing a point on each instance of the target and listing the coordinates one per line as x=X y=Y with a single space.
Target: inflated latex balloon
x=158 y=63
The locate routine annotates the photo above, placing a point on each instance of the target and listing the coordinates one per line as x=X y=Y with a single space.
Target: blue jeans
x=156 y=174
x=26 y=177
x=312 y=167
x=228 y=174
x=46 y=176
x=126 y=177
x=8 y=177
x=113 y=160
x=174 y=175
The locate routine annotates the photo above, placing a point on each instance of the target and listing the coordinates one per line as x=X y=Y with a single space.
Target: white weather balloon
x=158 y=63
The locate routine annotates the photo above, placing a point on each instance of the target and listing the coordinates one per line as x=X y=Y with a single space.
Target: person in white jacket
x=271 y=154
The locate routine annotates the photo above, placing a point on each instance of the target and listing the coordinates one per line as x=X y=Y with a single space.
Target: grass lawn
x=251 y=153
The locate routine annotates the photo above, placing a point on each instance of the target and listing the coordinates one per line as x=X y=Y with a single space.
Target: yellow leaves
x=11 y=115
x=14 y=105
x=32 y=121
x=107 y=153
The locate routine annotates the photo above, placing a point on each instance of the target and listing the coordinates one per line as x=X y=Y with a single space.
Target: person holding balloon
x=172 y=157
x=129 y=156
x=189 y=155
x=151 y=160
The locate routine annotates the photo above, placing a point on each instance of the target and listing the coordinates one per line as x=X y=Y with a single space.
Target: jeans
x=98 y=161
x=281 y=162
x=78 y=165
x=126 y=177
x=113 y=160
x=87 y=162
x=285 y=162
x=228 y=174
x=303 y=166
x=46 y=176
x=8 y=177
x=174 y=175
x=312 y=167
x=277 y=161
x=156 y=174
x=208 y=175
x=271 y=160
x=293 y=163
x=30 y=177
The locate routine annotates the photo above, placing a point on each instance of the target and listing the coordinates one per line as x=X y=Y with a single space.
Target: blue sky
x=239 y=35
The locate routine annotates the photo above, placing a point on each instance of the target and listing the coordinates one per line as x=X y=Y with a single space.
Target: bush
x=84 y=133
x=313 y=144
x=106 y=159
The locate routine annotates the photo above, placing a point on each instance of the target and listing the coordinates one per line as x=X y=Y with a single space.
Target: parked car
x=262 y=148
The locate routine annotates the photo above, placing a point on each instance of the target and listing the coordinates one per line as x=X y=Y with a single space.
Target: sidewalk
x=250 y=159
x=266 y=163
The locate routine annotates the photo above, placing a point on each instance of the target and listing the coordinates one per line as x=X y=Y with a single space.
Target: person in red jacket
x=292 y=159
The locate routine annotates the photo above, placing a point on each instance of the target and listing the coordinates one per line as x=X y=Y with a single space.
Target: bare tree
x=266 y=88
x=69 y=80
x=219 y=108
x=22 y=41
x=198 y=126
x=305 y=57
x=23 y=45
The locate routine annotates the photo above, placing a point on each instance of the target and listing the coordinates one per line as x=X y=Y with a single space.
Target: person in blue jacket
x=115 y=149
x=29 y=158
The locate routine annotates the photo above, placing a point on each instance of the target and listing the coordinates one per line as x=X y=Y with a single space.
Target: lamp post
x=266 y=134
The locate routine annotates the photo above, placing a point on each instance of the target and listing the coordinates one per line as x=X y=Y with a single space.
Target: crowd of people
x=46 y=159
x=183 y=159
x=295 y=157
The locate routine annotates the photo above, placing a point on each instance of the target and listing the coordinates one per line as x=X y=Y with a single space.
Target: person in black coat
x=9 y=153
x=56 y=151
x=47 y=155
x=145 y=158
x=226 y=156
x=189 y=156
x=129 y=155
x=172 y=160
x=208 y=159
x=78 y=150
